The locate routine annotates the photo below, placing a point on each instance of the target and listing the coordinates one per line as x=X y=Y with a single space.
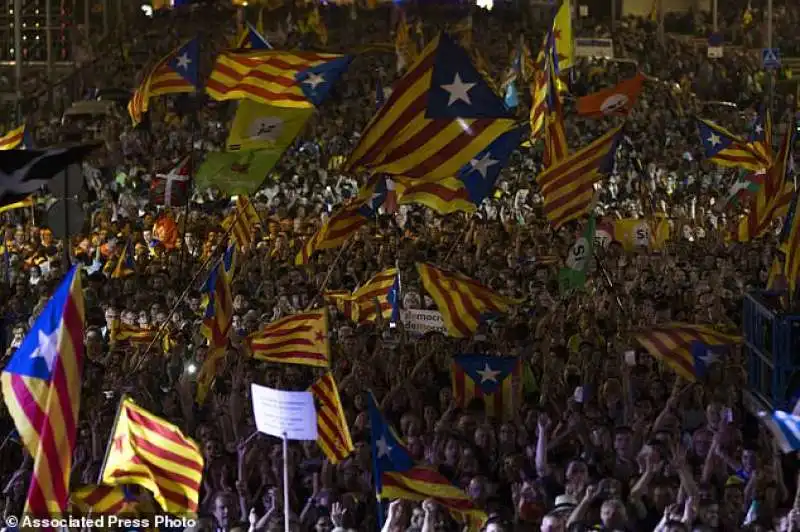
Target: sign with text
x=594 y=48
x=283 y=414
x=419 y=322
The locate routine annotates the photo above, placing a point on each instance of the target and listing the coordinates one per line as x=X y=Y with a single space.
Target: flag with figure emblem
x=283 y=79
x=346 y=220
x=239 y=172
x=773 y=199
x=296 y=339
x=13 y=139
x=563 y=47
x=440 y=114
x=257 y=126
x=495 y=380
x=333 y=436
x=360 y=305
x=100 y=499
x=784 y=427
x=251 y=38
x=218 y=314
x=726 y=149
x=616 y=100
x=397 y=476
x=42 y=391
x=568 y=186
x=146 y=450
x=760 y=139
x=687 y=348
x=463 y=302
x=472 y=184
x=173 y=74
x=244 y=220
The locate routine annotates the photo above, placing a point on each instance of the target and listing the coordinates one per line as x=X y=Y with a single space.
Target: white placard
x=284 y=414
x=714 y=52
x=596 y=47
x=418 y=322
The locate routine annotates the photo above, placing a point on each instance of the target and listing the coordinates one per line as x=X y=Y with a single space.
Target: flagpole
x=190 y=193
x=376 y=474
x=7 y=438
x=329 y=274
x=286 y=511
x=111 y=438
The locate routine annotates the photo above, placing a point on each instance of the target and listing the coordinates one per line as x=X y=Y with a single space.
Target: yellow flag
x=257 y=126
x=562 y=30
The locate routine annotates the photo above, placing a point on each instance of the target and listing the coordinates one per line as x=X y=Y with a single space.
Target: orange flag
x=166 y=231
x=617 y=100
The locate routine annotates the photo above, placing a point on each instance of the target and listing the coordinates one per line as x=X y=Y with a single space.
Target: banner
x=594 y=48
x=419 y=322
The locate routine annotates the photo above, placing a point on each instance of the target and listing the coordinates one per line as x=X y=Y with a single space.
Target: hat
x=565 y=502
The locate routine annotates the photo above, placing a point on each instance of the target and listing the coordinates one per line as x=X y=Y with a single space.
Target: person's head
x=577 y=472
x=708 y=512
x=623 y=442
x=554 y=522
x=612 y=513
x=496 y=524
x=324 y=523
x=224 y=508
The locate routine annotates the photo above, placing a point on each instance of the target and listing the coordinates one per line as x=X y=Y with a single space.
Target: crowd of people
x=638 y=449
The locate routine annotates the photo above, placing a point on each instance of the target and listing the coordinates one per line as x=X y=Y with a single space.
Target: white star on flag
x=183 y=61
x=383 y=447
x=488 y=374
x=759 y=129
x=314 y=79
x=458 y=90
x=47 y=348
x=482 y=165
x=707 y=358
x=714 y=140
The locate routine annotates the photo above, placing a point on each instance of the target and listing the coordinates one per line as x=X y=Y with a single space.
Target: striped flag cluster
x=359 y=307
x=244 y=220
x=122 y=333
x=785 y=428
x=439 y=115
x=494 y=380
x=175 y=73
x=792 y=248
x=218 y=315
x=296 y=339
x=463 y=301
x=568 y=186
x=100 y=499
x=13 y=138
x=333 y=436
x=726 y=149
x=41 y=387
x=282 y=79
x=684 y=347
x=150 y=452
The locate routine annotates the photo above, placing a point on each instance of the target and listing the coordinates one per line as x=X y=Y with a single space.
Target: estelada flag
x=617 y=100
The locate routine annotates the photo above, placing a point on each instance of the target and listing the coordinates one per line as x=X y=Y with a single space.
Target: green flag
x=239 y=172
x=573 y=275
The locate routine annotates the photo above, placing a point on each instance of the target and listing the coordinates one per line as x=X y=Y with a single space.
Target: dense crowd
x=638 y=449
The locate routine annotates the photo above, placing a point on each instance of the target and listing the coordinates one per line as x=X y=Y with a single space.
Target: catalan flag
x=687 y=348
x=726 y=149
x=173 y=74
x=397 y=476
x=282 y=79
x=404 y=48
x=209 y=370
x=218 y=314
x=495 y=380
x=760 y=139
x=772 y=200
x=296 y=339
x=42 y=389
x=252 y=39
x=439 y=115
x=244 y=220
x=126 y=265
x=346 y=220
x=150 y=452
x=792 y=247
x=462 y=301
x=13 y=138
x=122 y=333
x=333 y=436
x=100 y=499
x=360 y=305
x=784 y=427
x=568 y=186
x=472 y=184
x=555 y=136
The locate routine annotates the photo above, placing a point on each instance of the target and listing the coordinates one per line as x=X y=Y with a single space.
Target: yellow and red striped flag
x=333 y=436
x=568 y=186
x=122 y=333
x=440 y=114
x=772 y=200
x=42 y=390
x=282 y=79
x=360 y=305
x=296 y=339
x=100 y=499
x=462 y=301
x=685 y=347
x=13 y=138
x=728 y=150
x=244 y=220
x=218 y=314
x=444 y=196
x=496 y=381
x=150 y=452
x=792 y=249
x=173 y=74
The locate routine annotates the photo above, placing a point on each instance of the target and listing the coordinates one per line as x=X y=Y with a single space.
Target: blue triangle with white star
x=389 y=455
x=457 y=89
x=39 y=351
x=316 y=82
x=704 y=355
x=758 y=132
x=488 y=372
x=376 y=200
x=185 y=62
x=714 y=141
x=480 y=174
x=255 y=40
